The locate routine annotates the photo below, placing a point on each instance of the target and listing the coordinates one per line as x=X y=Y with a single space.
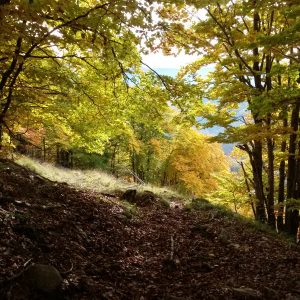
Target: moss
x=199 y=204
x=130 y=210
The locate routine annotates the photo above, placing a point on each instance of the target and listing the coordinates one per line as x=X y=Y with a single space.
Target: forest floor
x=107 y=251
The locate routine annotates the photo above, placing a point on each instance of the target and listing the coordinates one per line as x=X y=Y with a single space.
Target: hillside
x=107 y=248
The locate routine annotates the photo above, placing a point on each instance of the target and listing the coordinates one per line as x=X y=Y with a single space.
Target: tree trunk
x=281 y=185
x=246 y=178
x=270 y=196
x=292 y=214
x=257 y=167
x=270 y=150
x=256 y=161
x=133 y=163
x=2 y=2
x=113 y=160
x=1 y=135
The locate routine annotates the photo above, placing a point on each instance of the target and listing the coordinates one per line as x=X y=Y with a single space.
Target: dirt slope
x=103 y=252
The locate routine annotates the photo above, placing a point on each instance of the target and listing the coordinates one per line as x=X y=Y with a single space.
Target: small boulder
x=129 y=195
x=271 y=294
x=145 y=198
x=225 y=236
x=43 y=278
x=246 y=293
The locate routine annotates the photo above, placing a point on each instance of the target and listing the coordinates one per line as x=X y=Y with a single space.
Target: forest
x=74 y=90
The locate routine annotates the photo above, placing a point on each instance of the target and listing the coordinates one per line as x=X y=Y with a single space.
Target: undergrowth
x=218 y=210
x=102 y=182
x=130 y=210
x=95 y=180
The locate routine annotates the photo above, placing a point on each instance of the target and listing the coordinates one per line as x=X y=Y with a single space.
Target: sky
x=170 y=65
x=160 y=61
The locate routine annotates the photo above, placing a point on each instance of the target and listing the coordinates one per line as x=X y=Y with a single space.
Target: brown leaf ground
x=154 y=253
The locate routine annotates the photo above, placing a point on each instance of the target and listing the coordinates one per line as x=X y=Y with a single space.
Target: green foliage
x=252 y=90
x=94 y=180
x=63 y=62
x=71 y=79
x=83 y=160
x=232 y=193
x=130 y=210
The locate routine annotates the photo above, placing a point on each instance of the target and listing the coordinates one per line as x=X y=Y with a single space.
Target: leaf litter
x=158 y=252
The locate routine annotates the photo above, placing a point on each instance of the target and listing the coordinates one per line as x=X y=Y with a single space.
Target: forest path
x=154 y=253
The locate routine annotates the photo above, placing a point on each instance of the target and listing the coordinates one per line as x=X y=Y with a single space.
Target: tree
x=191 y=162
x=68 y=34
x=248 y=43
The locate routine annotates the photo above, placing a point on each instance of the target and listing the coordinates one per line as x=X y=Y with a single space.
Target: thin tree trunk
x=291 y=217
x=113 y=160
x=281 y=185
x=297 y=192
x=270 y=196
x=44 y=149
x=133 y=164
x=257 y=166
x=1 y=135
x=270 y=149
x=256 y=161
x=246 y=178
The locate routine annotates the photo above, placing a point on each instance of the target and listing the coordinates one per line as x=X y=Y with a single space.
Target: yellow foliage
x=193 y=161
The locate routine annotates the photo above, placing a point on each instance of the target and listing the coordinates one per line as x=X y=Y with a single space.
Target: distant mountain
x=227 y=148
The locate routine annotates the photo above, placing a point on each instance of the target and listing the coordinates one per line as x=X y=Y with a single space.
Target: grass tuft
x=94 y=180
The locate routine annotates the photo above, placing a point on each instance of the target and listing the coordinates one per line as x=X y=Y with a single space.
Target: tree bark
x=256 y=161
x=270 y=151
x=257 y=167
x=246 y=178
x=281 y=184
x=270 y=196
x=292 y=214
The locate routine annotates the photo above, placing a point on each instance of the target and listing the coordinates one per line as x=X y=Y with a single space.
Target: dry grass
x=94 y=180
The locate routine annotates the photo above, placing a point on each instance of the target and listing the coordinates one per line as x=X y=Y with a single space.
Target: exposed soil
x=104 y=252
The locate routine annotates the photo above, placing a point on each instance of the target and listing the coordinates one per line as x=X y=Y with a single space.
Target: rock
x=142 y=198
x=204 y=230
x=129 y=195
x=224 y=236
x=206 y=267
x=235 y=246
x=145 y=198
x=270 y=294
x=27 y=230
x=169 y=265
x=291 y=297
x=246 y=293
x=44 y=278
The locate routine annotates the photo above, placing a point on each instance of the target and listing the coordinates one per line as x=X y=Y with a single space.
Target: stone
x=129 y=195
x=270 y=294
x=224 y=236
x=290 y=296
x=235 y=246
x=145 y=198
x=44 y=278
x=246 y=293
